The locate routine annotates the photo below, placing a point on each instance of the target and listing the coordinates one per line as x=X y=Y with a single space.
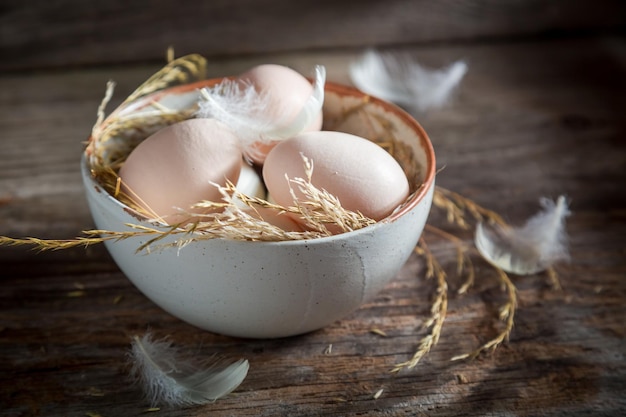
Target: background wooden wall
x=38 y=34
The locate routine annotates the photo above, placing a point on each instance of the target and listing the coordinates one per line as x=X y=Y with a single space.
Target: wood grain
x=531 y=119
x=60 y=34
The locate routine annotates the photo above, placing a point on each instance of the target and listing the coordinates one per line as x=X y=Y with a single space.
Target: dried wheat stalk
x=438 y=309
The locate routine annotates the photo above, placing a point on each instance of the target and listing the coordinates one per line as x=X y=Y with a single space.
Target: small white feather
x=244 y=110
x=166 y=378
x=532 y=248
x=401 y=80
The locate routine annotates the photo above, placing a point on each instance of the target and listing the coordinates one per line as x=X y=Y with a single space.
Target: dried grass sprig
x=227 y=220
x=101 y=112
x=43 y=245
x=438 y=309
x=458 y=208
x=319 y=208
x=460 y=211
x=91 y=237
x=506 y=314
x=183 y=70
x=235 y=222
x=113 y=138
x=464 y=264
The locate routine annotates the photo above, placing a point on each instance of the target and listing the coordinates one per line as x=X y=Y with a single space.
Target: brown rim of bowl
x=339 y=89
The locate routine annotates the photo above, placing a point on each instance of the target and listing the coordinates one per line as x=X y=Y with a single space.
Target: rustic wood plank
x=531 y=119
x=66 y=33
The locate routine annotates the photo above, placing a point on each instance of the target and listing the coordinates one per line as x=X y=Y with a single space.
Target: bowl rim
x=340 y=89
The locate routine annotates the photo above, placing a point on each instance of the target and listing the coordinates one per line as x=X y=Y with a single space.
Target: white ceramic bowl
x=277 y=289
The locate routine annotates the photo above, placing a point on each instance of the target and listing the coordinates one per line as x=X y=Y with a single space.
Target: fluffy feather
x=243 y=109
x=166 y=378
x=532 y=248
x=405 y=82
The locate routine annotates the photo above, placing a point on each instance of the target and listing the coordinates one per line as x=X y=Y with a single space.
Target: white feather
x=244 y=110
x=166 y=378
x=532 y=248
x=404 y=81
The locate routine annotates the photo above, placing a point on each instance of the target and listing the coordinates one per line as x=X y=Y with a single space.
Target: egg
x=287 y=92
x=361 y=174
x=249 y=183
x=173 y=169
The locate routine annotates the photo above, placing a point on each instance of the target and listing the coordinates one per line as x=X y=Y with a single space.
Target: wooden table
x=533 y=118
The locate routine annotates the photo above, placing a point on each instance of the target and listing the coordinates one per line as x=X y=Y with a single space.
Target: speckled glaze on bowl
x=274 y=289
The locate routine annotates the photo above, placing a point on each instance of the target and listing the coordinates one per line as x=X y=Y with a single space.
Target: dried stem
x=464 y=264
x=437 y=311
x=43 y=245
x=457 y=207
x=227 y=220
x=91 y=237
x=178 y=71
x=320 y=208
x=507 y=314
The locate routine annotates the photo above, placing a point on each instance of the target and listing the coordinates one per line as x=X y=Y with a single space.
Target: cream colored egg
x=361 y=174
x=173 y=169
x=249 y=183
x=288 y=92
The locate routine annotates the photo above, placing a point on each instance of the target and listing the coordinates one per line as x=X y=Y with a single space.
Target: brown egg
x=173 y=169
x=361 y=174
